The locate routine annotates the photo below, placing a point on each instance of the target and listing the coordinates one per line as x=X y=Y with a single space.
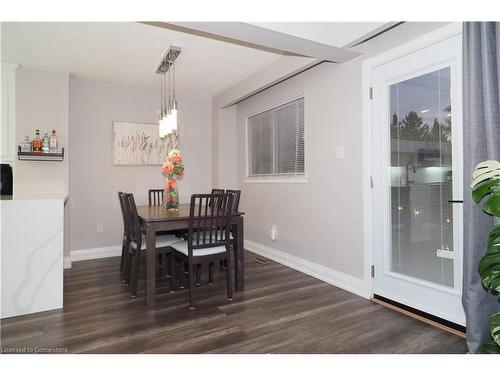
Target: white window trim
x=276 y=179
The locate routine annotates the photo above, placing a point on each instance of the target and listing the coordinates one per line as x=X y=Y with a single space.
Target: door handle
x=455 y=201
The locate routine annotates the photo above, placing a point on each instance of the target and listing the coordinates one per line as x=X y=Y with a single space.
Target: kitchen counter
x=32 y=253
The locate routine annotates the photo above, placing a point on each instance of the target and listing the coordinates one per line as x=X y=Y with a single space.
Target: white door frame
x=367 y=132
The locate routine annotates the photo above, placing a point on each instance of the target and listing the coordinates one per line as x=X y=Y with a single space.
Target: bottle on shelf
x=37 y=142
x=26 y=145
x=53 y=141
x=45 y=142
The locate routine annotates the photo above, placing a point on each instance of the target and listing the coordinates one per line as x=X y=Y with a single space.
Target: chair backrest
x=124 y=209
x=215 y=191
x=209 y=225
x=134 y=225
x=236 y=198
x=155 y=197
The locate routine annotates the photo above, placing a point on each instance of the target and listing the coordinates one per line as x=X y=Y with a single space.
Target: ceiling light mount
x=167 y=59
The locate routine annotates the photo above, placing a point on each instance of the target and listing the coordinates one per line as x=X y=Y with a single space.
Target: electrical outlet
x=340 y=152
x=100 y=228
x=274 y=232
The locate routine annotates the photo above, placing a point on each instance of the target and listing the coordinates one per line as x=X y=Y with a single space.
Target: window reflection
x=421 y=176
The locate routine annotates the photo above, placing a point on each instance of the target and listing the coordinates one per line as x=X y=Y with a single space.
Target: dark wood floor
x=280 y=311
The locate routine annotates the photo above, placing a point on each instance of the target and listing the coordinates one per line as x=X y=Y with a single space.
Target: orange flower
x=167 y=168
x=175 y=156
x=171 y=184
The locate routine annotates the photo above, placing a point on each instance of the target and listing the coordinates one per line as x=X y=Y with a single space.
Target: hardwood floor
x=280 y=311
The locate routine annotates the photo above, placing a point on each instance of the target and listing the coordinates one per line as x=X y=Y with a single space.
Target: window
x=275 y=140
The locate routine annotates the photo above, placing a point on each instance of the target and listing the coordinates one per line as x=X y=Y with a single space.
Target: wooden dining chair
x=236 y=202
x=211 y=202
x=137 y=243
x=155 y=197
x=208 y=238
x=236 y=198
x=121 y=198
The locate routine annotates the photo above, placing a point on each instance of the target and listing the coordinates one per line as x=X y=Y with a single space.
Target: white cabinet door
x=7 y=134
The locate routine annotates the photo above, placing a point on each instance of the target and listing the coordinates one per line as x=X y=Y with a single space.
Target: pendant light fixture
x=173 y=108
x=168 y=106
x=162 y=122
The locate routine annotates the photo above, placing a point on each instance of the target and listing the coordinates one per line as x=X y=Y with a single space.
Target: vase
x=170 y=194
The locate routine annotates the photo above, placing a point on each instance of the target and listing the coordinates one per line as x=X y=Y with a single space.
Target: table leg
x=150 y=267
x=239 y=256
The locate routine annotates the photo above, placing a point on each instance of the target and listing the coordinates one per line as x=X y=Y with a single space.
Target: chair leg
x=122 y=260
x=168 y=265
x=211 y=273
x=159 y=260
x=191 y=287
x=172 y=271
x=229 y=275
x=135 y=273
x=126 y=266
x=222 y=265
x=198 y=275
x=181 y=275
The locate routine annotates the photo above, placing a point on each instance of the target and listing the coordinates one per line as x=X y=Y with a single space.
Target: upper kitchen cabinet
x=8 y=111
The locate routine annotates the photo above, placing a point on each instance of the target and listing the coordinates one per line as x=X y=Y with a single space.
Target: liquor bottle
x=45 y=142
x=37 y=142
x=53 y=141
x=26 y=145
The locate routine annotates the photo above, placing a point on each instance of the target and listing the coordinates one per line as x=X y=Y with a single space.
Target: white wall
x=319 y=223
x=95 y=181
x=41 y=103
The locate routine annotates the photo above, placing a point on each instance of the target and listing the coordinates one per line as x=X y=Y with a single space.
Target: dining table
x=155 y=219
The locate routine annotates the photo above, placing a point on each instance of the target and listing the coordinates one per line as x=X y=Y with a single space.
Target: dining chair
x=236 y=202
x=155 y=197
x=236 y=198
x=121 y=198
x=215 y=191
x=137 y=243
x=208 y=238
x=210 y=204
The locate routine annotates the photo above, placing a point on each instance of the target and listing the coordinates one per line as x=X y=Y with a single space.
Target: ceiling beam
x=262 y=38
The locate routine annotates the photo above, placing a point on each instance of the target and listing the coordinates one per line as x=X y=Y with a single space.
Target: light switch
x=340 y=152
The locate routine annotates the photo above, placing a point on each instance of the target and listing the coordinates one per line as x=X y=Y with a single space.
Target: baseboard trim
x=96 y=253
x=351 y=284
x=67 y=262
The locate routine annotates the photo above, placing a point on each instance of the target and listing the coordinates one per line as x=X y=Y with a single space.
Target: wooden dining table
x=157 y=219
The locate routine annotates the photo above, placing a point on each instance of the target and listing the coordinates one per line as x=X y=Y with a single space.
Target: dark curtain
x=481 y=94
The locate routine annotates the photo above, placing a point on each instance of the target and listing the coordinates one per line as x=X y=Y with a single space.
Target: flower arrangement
x=172 y=168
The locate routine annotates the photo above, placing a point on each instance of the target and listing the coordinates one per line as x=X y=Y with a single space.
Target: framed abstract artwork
x=140 y=144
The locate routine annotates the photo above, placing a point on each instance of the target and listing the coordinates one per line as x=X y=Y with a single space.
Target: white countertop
x=36 y=196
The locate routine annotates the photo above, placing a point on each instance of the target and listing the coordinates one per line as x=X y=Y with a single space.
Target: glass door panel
x=421 y=177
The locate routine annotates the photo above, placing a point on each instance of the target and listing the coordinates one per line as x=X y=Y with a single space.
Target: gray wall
x=227 y=155
x=321 y=220
x=95 y=181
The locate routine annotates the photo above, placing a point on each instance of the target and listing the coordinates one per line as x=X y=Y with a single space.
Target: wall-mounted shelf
x=40 y=156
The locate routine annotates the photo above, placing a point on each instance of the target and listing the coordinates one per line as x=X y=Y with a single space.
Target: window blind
x=276 y=141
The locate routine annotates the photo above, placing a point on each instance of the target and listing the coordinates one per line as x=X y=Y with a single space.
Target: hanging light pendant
x=163 y=129
x=168 y=112
x=173 y=109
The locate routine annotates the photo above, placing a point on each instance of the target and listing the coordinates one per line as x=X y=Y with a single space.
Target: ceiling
x=126 y=53
x=338 y=34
